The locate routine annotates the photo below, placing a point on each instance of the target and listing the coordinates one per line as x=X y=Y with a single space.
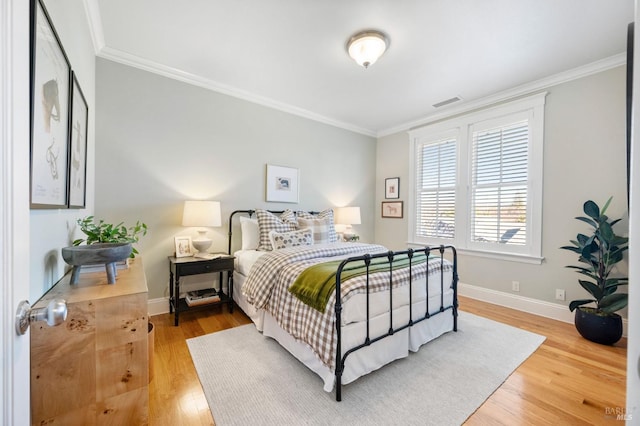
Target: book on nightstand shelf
x=202 y=297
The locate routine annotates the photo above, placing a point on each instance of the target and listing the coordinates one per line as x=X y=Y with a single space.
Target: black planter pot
x=605 y=330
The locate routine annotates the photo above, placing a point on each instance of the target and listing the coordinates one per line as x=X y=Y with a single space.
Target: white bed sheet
x=368 y=359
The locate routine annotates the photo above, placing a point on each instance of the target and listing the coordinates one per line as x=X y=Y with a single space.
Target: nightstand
x=183 y=266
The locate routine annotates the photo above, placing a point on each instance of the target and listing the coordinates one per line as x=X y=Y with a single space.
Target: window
x=477 y=181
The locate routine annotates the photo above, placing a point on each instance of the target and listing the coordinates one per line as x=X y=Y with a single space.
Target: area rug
x=249 y=379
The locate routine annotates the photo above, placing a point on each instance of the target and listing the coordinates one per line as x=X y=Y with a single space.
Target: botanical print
x=50 y=117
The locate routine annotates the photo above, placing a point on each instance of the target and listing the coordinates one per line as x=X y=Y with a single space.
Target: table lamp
x=201 y=214
x=348 y=216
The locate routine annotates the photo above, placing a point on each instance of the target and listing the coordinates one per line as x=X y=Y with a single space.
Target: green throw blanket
x=316 y=283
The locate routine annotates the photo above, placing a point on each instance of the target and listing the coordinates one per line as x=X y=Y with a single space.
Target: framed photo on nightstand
x=183 y=247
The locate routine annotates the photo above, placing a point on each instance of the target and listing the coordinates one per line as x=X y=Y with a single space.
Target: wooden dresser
x=93 y=368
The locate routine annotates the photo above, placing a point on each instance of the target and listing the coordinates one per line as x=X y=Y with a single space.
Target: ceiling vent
x=447 y=102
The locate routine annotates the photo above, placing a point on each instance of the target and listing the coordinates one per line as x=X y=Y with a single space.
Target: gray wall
x=584 y=158
x=160 y=141
x=51 y=230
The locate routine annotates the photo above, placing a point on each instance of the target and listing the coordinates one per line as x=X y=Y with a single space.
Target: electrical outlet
x=560 y=294
x=515 y=285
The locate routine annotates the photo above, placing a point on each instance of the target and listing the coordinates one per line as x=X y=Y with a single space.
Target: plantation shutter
x=499 y=184
x=436 y=189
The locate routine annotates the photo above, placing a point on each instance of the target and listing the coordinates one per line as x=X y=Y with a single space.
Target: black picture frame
x=629 y=118
x=78 y=147
x=392 y=188
x=50 y=75
x=392 y=209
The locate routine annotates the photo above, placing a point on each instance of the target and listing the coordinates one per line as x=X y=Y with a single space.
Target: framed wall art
x=78 y=146
x=282 y=184
x=183 y=247
x=392 y=188
x=392 y=209
x=50 y=90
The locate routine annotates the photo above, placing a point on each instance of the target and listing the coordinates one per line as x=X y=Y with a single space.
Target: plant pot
x=603 y=329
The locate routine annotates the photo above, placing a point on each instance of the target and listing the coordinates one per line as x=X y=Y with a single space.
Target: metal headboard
x=250 y=214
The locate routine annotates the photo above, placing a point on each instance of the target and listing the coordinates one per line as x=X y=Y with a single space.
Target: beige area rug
x=250 y=379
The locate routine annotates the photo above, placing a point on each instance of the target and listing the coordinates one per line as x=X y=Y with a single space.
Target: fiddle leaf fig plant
x=599 y=252
x=102 y=232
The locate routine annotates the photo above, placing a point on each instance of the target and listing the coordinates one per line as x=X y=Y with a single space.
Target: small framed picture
x=183 y=247
x=392 y=209
x=392 y=188
x=282 y=184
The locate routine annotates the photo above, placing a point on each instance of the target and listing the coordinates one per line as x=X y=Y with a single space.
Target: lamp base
x=201 y=243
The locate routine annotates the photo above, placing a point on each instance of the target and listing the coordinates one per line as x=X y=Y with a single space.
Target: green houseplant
x=102 y=232
x=599 y=252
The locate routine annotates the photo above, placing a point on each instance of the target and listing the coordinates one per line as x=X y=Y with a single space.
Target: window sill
x=511 y=257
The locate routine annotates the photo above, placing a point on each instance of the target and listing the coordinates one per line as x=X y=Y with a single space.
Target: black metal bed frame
x=367 y=258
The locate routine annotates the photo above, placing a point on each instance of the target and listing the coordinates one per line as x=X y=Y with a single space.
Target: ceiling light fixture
x=366 y=47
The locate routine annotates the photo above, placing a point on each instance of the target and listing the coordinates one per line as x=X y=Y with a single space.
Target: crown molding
x=94 y=20
x=525 y=89
x=176 y=74
x=92 y=11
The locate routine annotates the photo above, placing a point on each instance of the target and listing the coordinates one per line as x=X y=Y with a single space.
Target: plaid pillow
x=325 y=214
x=280 y=240
x=319 y=227
x=268 y=222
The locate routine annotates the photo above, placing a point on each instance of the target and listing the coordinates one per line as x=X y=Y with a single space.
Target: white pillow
x=301 y=237
x=250 y=233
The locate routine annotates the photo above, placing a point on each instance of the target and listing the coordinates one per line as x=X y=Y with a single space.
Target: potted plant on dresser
x=599 y=252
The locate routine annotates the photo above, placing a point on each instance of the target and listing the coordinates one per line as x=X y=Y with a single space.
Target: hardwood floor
x=567 y=381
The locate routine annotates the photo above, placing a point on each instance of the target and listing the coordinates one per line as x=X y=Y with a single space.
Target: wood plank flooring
x=567 y=381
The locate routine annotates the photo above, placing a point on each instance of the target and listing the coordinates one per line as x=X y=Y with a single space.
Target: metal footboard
x=368 y=340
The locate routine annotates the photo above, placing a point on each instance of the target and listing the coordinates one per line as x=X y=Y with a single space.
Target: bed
x=375 y=306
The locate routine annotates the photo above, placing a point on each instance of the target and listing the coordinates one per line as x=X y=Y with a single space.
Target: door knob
x=54 y=313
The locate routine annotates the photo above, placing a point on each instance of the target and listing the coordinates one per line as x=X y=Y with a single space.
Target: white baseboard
x=525 y=304
x=158 y=306
x=533 y=306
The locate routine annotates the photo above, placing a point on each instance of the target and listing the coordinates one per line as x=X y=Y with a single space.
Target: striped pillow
x=268 y=222
x=325 y=214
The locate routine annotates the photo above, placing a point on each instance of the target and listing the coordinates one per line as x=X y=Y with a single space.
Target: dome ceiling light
x=367 y=47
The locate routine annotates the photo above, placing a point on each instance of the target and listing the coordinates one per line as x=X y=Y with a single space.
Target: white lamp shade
x=348 y=216
x=366 y=47
x=201 y=213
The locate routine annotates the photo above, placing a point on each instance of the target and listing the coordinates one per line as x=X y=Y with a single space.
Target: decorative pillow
x=301 y=237
x=325 y=214
x=320 y=227
x=250 y=233
x=268 y=222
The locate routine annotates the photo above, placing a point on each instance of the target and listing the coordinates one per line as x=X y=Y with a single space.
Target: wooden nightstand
x=183 y=266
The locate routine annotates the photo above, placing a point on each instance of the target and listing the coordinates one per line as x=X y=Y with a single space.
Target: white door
x=14 y=211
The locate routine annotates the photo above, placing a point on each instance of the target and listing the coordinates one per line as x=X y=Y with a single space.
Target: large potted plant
x=599 y=252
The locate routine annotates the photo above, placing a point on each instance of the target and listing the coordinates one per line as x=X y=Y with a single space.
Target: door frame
x=14 y=211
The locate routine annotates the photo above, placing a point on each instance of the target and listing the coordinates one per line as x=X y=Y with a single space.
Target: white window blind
x=476 y=181
x=436 y=194
x=499 y=184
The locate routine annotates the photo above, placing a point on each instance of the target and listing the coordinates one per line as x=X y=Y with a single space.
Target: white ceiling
x=290 y=54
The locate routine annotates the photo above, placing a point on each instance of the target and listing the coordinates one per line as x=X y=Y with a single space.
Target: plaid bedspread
x=271 y=276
